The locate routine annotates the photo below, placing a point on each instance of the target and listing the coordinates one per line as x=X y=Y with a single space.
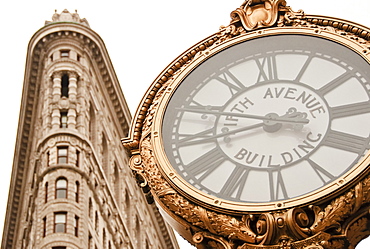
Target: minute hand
x=295 y=120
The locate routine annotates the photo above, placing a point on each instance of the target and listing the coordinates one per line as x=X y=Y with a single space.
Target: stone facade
x=71 y=187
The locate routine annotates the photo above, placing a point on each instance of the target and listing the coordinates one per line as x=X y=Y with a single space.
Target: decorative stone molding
x=66 y=16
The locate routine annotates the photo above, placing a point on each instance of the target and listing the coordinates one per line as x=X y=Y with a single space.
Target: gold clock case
x=334 y=216
x=197 y=196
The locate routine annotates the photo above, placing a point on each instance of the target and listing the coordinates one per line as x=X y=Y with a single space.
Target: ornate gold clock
x=258 y=136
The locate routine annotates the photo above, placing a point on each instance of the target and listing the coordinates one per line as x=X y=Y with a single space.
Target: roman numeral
x=235 y=184
x=277 y=186
x=205 y=164
x=336 y=82
x=322 y=173
x=345 y=141
x=195 y=103
x=351 y=109
x=205 y=136
x=267 y=68
x=303 y=69
x=228 y=79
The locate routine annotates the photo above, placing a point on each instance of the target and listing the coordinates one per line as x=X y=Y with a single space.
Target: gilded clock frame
x=197 y=196
x=208 y=222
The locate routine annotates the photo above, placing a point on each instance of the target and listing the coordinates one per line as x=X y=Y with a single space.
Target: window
x=65 y=85
x=61 y=188
x=89 y=242
x=104 y=239
x=75 y=225
x=62 y=154
x=77 y=158
x=147 y=244
x=64 y=53
x=59 y=247
x=46 y=191
x=137 y=233
x=78 y=57
x=63 y=119
x=96 y=222
x=44 y=227
x=60 y=220
x=77 y=191
x=90 y=208
x=92 y=124
x=105 y=155
x=48 y=158
x=116 y=183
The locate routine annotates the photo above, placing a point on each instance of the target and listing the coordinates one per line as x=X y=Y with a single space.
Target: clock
x=268 y=120
x=258 y=136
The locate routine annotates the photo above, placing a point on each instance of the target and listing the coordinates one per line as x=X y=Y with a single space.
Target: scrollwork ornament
x=298 y=222
x=136 y=163
x=358 y=231
x=340 y=208
x=254 y=14
x=212 y=241
x=266 y=228
x=269 y=229
x=221 y=224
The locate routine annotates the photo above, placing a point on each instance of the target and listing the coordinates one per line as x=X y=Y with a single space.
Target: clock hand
x=290 y=119
x=223 y=134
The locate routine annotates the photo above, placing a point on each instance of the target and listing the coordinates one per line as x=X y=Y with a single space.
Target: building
x=71 y=187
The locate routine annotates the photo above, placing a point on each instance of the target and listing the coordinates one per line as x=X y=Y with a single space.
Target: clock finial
x=254 y=14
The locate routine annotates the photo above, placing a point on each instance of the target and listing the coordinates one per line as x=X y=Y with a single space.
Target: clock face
x=269 y=119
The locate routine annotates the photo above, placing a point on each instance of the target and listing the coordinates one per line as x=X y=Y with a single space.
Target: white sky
x=142 y=38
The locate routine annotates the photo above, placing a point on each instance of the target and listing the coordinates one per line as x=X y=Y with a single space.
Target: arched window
x=89 y=241
x=147 y=244
x=96 y=221
x=90 y=208
x=137 y=232
x=46 y=191
x=92 y=124
x=65 y=85
x=116 y=183
x=44 y=227
x=104 y=239
x=75 y=224
x=105 y=153
x=127 y=208
x=48 y=158
x=78 y=154
x=77 y=191
x=61 y=188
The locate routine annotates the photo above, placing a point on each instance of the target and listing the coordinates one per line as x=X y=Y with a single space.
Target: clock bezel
x=218 y=204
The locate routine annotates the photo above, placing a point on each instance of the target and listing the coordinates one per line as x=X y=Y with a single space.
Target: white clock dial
x=270 y=119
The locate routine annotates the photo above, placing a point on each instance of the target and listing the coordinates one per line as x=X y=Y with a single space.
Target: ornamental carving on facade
x=340 y=223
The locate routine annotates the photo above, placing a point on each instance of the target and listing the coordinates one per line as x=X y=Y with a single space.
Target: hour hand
x=290 y=117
